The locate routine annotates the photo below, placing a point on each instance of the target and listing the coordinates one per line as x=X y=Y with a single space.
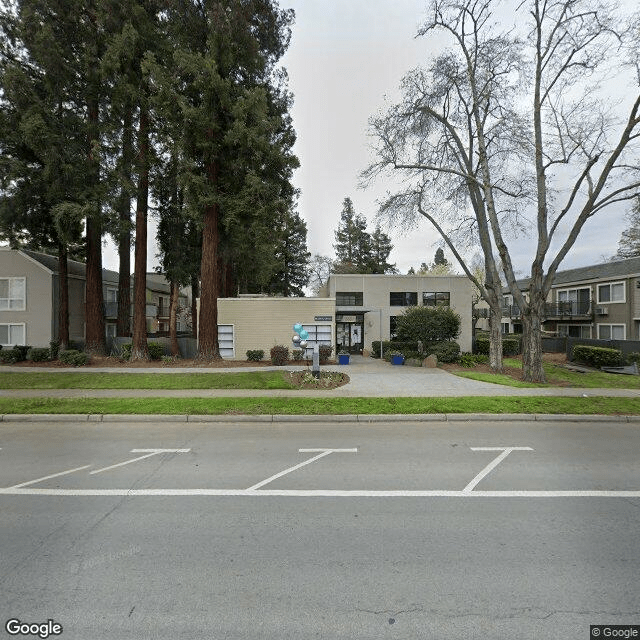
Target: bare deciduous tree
x=506 y=126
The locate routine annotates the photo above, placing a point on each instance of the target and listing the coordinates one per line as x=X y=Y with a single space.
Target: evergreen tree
x=439 y=258
x=381 y=247
x=629 y=245
x=235 y=135
x=353 y=243
x=293 y=258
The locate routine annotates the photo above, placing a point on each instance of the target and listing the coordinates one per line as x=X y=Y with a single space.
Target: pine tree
x=293 y=258
x=353 y=243
x=629 y=245
x=439 y=258
x=381 y=247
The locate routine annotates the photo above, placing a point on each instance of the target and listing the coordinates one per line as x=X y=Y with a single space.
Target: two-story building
x=600 y=301
x=367 y=305
x=29 y=299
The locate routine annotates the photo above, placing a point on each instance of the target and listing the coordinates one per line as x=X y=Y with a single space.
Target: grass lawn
x=556 y=376
x=322 y=406
x=88 y=380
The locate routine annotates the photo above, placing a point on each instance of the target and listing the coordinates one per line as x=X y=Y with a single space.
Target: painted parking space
x=316 y=475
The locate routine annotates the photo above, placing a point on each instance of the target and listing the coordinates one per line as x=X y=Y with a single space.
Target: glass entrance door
x=350 y=336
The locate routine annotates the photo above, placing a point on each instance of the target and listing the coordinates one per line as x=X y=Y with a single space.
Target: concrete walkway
x=368 y=378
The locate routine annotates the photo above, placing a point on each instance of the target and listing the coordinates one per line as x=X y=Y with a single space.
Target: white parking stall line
x=151 y=452
x=54 y=475
x=324 y=453
x=492 y=465
x=321 y=493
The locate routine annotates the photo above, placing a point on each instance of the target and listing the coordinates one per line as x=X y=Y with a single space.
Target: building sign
x=348 y=319
x=323 y=318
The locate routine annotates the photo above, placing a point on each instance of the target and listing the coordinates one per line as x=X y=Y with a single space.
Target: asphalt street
x=444 y=530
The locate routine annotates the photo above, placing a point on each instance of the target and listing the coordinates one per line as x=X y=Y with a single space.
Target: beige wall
x=261 y=323
x=376 y=289
x=38 y=313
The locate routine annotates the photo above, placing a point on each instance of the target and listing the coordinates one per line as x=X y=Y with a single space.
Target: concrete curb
x=361 y=418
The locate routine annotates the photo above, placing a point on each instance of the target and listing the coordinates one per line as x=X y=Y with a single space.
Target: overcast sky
x=345 y=57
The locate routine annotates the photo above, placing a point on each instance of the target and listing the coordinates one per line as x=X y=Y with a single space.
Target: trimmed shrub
x=54 y=348
x=255 y=355
x=38 y=354
x=408 y=346
x=10 y=356
x=511 y=345
x=428 y=324
x=445 y=351
x=633 y=357
x=73 y=357
x=325 y=353
x=155 y=349
x=125 y=350
x=22 y=350
x=296 y=354
x=597 y=356
x=279 y=355
x=472 y=359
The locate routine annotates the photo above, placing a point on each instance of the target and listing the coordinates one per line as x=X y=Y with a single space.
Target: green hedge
x=394 y=345
x=511 y=345
x=38 y=354
x=446 y=351
x=255 y=355
x=73 y=357
x=10 y=356
x=597 y=356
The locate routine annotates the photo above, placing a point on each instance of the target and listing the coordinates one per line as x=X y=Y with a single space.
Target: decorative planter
x=397 y=359
x=343 y=358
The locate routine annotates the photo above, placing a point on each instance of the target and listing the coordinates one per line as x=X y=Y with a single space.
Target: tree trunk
x=195 y=294
x=123 y=328
x=95 y=337
x=208 y=348
x=495 y=338
x=139 y=344
x=173 y=317
x=532 y=370
x=63 y=298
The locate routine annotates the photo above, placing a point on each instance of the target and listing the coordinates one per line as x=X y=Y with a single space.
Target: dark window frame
x=349 y=299
x=403 y=298
x=440 y=298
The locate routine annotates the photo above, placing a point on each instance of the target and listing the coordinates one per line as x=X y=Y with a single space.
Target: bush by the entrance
x=511 y=345
x=445 y=351
x=428 y=324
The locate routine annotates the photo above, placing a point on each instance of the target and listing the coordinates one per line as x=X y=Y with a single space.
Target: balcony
x=554 y=310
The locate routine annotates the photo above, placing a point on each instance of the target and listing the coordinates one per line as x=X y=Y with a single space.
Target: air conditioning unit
x=602 y=311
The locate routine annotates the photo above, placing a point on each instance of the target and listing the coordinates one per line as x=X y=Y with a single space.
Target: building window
x=403 y=299
x=505 y=327
x=112 y=295
x=12 y=294
x=11 y=334
x=574 y=330
x=436 y=299
x=612 y=292
x=348 y=298
x=111 y=330
x=393 y=331
x=611 y=332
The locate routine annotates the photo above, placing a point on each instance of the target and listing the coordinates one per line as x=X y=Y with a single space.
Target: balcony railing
x=572 y=309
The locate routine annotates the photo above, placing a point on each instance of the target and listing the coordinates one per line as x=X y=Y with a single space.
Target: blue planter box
x=397 y=359
x=343 y=359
